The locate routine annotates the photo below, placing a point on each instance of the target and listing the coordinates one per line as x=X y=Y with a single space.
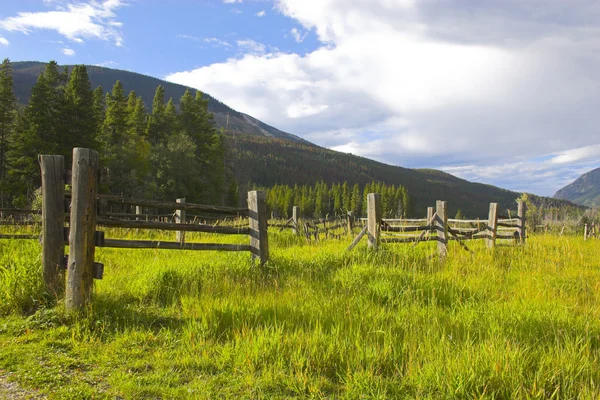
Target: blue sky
x=505 y=92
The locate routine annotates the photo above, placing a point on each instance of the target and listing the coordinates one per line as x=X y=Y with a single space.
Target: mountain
x=585 y=190
x=25 y=75
x=259 y=154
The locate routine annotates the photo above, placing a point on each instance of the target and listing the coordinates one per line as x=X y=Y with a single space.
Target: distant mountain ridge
x=261 y=154
x=25 y=74
x=585 y=190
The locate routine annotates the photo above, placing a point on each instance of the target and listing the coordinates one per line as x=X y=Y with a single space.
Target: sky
x=505 y=92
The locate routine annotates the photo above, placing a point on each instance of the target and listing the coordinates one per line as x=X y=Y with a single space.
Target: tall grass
x=316 y=322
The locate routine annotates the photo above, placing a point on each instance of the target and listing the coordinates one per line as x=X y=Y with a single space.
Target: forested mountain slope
x=585 y=190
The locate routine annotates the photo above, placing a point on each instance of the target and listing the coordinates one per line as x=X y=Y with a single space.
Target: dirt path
x=12 y=391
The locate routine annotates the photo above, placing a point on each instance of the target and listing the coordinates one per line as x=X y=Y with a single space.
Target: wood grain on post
x=441 y=226
x=53 y=222
x=492 y=226
x=180 y=219
x=257 y=212
x=429 y=216
x=350 y=222
x=373 y=219
x=295 y=210
x=82 y=229
x=522 y=211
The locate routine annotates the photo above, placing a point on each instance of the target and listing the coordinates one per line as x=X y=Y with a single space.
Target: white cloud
x=431 y=84
x=232 y=1
x=3 y=41
x=261 y=13
x=74 y=20
x=251 y=46
x=108 y=64
x=210 y=40
x=298 y=37
x=68 y=52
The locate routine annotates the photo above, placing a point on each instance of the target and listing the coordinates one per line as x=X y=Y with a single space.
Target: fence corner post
x=350 y=222
x=295 y=219
x=373 y=219
x=80 y=270
x=180 y=219
x=522 y=211
x=257 y=212
x=53 y=222
x=441 y=227
x=490 y=241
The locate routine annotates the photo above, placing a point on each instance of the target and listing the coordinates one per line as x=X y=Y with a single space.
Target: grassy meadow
x=317 y=322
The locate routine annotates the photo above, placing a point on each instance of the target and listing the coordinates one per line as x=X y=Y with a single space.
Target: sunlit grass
x=515 y=322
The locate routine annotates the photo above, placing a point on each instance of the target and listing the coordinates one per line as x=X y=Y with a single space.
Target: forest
x=164 y=152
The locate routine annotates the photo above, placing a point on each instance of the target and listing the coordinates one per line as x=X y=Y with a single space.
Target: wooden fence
x=317 y=228
x=84 y=209
x=438 y=227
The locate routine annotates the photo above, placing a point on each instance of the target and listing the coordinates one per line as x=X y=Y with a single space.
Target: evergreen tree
x=79 y=112
x=156 y=121
x=8 y=112
x=99 y=107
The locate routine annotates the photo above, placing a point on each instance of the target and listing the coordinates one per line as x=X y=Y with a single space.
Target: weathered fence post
x=441 y=226
x=257 y=212
x=373 y=219
x=522 y=210
x=490 y=241
x=585 y=232
x=350 y=222
x=82 y=228
x=53 y=222
x=138 y=212
x=295 y=219
x=429 y=221
x=180 y=219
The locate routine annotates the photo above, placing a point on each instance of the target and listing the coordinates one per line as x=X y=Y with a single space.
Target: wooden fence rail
x=437 y=227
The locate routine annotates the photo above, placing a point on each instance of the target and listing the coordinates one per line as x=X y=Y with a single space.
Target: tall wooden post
x=441 y=227
x=350 y=222
x=522 y=210
x=180 y=219
x=53 y=222
x=138 y=212
x=82 y=228
x=585 y=232
x=429 y=221
x=490 y=241
x=259 y=240
x=295 y=210
x=373 y=219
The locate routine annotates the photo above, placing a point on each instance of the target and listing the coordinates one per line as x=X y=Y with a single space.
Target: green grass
x=317 y=322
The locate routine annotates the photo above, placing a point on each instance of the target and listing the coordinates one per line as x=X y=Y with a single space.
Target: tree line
x=166 y=152
x=337 y=199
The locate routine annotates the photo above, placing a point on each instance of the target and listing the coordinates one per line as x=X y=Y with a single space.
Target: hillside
x=25 y=75
x=263 y=155
x=585 y=190
x=269 y=161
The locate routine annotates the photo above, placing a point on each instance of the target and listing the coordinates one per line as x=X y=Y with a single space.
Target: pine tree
x=8 y=113
x=99 y=108
x=78 y=112
x=156 y=121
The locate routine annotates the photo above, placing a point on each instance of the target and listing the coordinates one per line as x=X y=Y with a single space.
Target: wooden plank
x=411 y=239
x=492 y=226
x=259 y=239
x=53 y=221
x=6 y=236
x=168 y=226
x=522 y=211
x=295 y=212
x=21 y=210
x=441 y=227
x=373 y=219
x=388 y=228
x=155 y=244
x=466 y=221
x=362 y=233
x=180 y=219
x=82 y=229
x=173 y=205
x=350 y=222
